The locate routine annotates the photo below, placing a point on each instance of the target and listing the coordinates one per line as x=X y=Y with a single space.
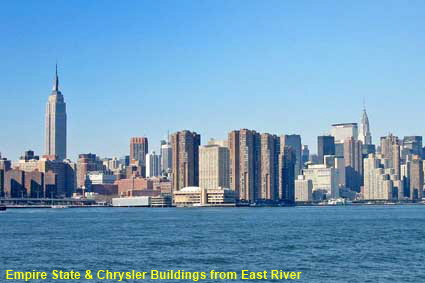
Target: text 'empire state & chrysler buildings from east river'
x=55 y=131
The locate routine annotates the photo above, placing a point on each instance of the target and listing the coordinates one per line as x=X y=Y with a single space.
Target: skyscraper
x=388 y=150
x=185 y=167
x=416 y=178
x=353 y=158
x=293 y=141
x=344 y=131
x=287 y=172
x=213 y=167
x=413 y=145
x=377 y=184
x=305 y=155
x=325 y=146
x=55 y=128
x=153 y=164
x=245 y=163
x=364 y=131
x=139 y=149
x=166 y=157
x=269 y=184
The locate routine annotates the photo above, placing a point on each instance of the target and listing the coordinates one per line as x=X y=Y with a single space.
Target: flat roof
x=345 y=124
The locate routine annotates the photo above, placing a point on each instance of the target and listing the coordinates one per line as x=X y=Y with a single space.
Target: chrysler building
x=364 y=130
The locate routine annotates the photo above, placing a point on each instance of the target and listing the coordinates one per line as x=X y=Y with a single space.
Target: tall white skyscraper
x=364 y=130
x=55 y=128
x=213 y=167
x=166 y=157
x=153 y=165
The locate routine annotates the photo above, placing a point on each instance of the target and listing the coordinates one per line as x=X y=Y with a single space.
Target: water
x=326 y=244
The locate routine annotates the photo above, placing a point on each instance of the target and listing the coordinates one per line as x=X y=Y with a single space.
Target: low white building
x=303 y=189
x=196 y=196
x=99 y=178
x=131 y=201
x=324 y=179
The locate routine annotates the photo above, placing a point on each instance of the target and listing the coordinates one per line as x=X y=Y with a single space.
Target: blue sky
x=133 y=68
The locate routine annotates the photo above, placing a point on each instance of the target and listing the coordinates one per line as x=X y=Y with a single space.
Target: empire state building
x=55 y=128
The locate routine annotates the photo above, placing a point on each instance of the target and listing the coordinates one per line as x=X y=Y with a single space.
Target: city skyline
x=288 y=77
x=362 y=128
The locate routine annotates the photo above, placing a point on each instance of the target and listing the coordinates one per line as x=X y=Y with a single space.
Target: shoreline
x=201 y=207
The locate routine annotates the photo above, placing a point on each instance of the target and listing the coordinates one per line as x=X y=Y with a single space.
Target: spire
x=56 y=82
x=364 y=130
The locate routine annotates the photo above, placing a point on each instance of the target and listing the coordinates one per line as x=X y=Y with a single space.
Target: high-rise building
x=55 y=128
x=378 y=185
x=387 y=148
x=65 y=174
x=2 y=175
x=344 y=131
x=185 y=166
x=245 y=163
x=287 y=173
x=166 y=158
x=139 y=149
x=416 y=178
x=112 y=164
x=213 y=167
x=332 y=161
x=353 y=158
x=5 y=164
x=86 y=163
x=305 y=155
x=364 y=131
x=413 y=145
x=396 y=159
x=153 y=164
x=269 y=184
x=293 y=141
x=405 y=178
x=125 y=160
x=325 y=146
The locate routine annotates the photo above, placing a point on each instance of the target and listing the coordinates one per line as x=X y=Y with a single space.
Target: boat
x=2 y=207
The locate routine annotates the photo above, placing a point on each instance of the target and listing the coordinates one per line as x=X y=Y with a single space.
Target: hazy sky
x=133 y=68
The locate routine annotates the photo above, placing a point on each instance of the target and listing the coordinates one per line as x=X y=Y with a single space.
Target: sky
x=143 y=68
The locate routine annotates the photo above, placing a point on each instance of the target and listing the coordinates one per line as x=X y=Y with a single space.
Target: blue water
x=326 y=244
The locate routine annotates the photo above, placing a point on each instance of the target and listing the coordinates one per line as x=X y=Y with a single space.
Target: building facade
x=245 y=163
x=153 y=165
x=214 y=167
x=138 y=149
x=55 y=123
x=293 y=141
x=185 y=145
x=303 y=189
x=269 y=184
x=353 y=157
x=325 y=146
